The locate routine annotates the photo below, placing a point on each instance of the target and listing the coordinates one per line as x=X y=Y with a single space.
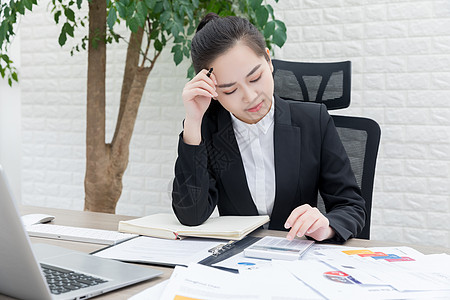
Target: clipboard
x=228 y=250
x=213 y=255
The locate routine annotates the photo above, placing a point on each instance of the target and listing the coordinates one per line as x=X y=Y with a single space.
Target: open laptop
x=23 y=270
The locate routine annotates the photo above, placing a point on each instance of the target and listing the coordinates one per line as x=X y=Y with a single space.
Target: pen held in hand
x=209 y=72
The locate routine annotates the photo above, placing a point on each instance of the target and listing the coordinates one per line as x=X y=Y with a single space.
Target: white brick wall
x=401 y=78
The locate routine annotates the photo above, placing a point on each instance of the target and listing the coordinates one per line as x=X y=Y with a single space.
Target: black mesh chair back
x=361 y=139
x=328 y=83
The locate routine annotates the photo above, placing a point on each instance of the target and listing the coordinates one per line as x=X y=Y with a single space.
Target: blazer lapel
x=230 y=167
x=287 y=145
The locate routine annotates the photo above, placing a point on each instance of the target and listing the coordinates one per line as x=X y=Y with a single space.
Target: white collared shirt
x=255 y=143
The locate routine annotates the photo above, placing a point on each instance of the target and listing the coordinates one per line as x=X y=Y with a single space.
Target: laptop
x=42 y=271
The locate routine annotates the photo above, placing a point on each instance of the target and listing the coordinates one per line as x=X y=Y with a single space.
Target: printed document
x=160 y=251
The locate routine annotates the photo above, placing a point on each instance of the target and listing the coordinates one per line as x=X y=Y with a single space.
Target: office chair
x=361 y=139
x=329 y=83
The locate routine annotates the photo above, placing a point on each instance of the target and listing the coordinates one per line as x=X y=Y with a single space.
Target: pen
x=209 y=72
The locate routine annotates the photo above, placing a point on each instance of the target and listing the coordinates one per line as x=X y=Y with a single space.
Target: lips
x=256 y=108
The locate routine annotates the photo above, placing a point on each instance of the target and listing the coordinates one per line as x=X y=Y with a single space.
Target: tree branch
x=131 y=66
x=121 y=142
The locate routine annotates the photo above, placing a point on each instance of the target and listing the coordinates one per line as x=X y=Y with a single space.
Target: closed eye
x=255 y=80
x=229 y=93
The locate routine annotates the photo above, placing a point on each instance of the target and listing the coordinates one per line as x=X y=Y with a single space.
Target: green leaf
x=158 y=46
x=195 y=3
x=175 y=31
x=262 y=15
x=112 y=17
x=133 y=24
x=150 y=4
x=28 y=4
x=191 y=29
x=167 y=6
x=20 y=7
x=79 y=3
x=178 y=39
x=68 y=29
x=141 y=9
x=141 y=13
x=254 y=4
x=154 y=34
x=191 y=72
x=178 y=57
x=279 y=37
x=186 y=52
x=56 y=16
x=270 y=10
x=14 y=76
x=121 y=9
x=269 y=29
x=165 y=16
x=189 y=13
x=158 y=7
x=281 y=25
x=62 y=38
x=69 y=14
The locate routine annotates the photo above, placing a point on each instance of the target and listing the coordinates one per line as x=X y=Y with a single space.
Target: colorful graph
x=378 y=255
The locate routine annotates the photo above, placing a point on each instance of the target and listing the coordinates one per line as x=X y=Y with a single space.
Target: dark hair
x=215 y=35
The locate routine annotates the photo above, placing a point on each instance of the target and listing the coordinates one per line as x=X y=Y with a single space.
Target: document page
x=160 y=251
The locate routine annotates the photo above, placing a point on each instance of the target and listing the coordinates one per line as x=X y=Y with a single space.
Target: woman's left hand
x=307 y=220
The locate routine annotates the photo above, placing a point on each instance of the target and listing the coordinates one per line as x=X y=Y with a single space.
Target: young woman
x=249 y=152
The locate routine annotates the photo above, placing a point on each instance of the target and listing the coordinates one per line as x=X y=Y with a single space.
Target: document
x=201 y=282
x=150 y=250
x=167 y=226
x=374 y=273
x=154 y=292
x=394 y=266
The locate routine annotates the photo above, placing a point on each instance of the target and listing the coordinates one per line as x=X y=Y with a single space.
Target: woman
x=249 y=152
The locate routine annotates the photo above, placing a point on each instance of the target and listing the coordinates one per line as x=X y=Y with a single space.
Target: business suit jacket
x=309 y=157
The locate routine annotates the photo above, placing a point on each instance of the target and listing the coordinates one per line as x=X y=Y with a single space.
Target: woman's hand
x=307 y=220
x=197 y=95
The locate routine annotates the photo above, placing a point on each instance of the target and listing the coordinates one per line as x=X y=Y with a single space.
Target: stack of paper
x=200 y=282
x=327 y=272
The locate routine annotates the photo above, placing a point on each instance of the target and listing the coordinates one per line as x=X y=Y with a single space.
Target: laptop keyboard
x=62 y=281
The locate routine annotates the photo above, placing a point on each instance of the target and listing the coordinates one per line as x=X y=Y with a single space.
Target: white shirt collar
x=262 y=125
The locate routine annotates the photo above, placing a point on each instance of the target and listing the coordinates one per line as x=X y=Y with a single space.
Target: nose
x=248 y=94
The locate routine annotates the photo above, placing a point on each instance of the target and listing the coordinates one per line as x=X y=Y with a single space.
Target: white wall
x=401 y=78
x=10 y=126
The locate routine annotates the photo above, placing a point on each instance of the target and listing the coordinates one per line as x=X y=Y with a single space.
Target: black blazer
x=309 y=157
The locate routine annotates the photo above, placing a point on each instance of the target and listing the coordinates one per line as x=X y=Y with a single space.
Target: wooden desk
x=110 y=222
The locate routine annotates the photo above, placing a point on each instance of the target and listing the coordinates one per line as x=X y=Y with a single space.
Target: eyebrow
x=225 y=85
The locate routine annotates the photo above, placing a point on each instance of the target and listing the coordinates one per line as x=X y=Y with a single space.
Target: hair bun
x=210 y=16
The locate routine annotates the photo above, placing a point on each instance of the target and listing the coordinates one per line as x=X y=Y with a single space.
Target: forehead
x=236 y=62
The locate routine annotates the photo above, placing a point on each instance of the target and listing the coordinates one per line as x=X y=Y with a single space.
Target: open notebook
x=167 y=226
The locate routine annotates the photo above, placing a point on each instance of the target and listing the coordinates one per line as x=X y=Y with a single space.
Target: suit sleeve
x=194 y=194
x=338 y=187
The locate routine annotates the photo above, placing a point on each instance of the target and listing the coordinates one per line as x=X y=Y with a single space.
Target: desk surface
x=110 y=222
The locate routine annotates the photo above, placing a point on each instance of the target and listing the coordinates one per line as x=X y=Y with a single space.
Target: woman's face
x=244 y=83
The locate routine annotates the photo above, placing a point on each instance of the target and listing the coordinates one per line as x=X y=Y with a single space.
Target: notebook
x=25 y=270
x=167 y=226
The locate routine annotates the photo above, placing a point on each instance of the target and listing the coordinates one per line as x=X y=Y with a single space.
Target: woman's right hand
x=197 y=95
